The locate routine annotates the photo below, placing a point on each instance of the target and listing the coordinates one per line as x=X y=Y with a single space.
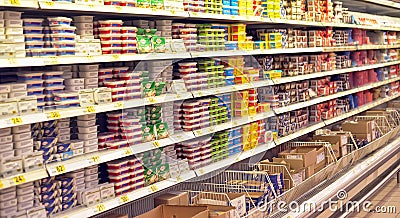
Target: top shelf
x=150 y=12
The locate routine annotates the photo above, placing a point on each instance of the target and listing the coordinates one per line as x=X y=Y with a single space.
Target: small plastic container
x=32 y=22
x=128 y=36
x=63 y=44
x=49 y=52
x=33 y=37
x=30 y=76
x=34 y=44
x=33 y=30
x=114 y=50
x=52 y=75
x=129 y=50
x=111 y=44
x=66 y=52
x=110 y=23
x=53 y=82
x=128 y=30
x=129 y=43
x=62 y=37
x=59 y=21
x=62 y=29
x=109 y=37
x=109 y=30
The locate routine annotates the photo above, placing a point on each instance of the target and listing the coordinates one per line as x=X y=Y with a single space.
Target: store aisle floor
x=385 y=203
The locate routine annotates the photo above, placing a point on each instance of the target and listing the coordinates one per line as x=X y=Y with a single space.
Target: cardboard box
x=219 y=211
x=338 y=142
x=363 y=127
x=367 y=137
x=237 y=200
x=172 y=198
x=175 y=211
x=298 y=176
x=308 y=156
x=309 y=171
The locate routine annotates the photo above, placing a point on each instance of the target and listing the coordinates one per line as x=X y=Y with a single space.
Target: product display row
x=137 y=107
x=55 y=36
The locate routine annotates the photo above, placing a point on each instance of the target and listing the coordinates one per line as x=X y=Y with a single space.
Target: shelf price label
x=19 y=179
x=95 y=159
x=198 y=132
x=1 y=184
x=153 y=188
x=201 y=171
x=118 y=8
x=119 y=104
x=49 y=3
x=100 y=208
x=128 y=151
x=152 y=100
x=90 y=109
x=124 y=199
x=54 y=115
x=116 y=57
x=52 y=61
x=156 y=144
x=12 y=61
x=16 y=121
x=60 y=169
x=15 y=2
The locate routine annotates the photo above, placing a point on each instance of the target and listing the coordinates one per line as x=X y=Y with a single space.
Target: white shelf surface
x=78 y=111
x=19 y=3
x=48 y=61
x=314 y=101
x=56 y=60
x=288 y=79
x=235 y=122
x=23 y=178
x=64 y=6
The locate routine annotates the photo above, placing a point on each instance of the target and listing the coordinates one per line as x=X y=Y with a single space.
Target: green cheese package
x=157 y=4
x=162 y=130
x=144 y=44
x=144 y=3
x=148 y=89
x=158 y=43
x=148 y=134
x=159 y=87
x=163 y=171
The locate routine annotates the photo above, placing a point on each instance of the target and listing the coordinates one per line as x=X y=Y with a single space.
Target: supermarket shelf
x=232 y=88
x=64 y=6
x=22 y=178
x=78 y=111
x=299 y=133
x=235 y=122
x=234 y=159
x=288 y=79
x=314 y=101
x=90 y=211
x=86 y=160
x=94 y=158
x=56 y=60
x=48 y=61
x=19 y=3
x=175 y=138
x=360 y=109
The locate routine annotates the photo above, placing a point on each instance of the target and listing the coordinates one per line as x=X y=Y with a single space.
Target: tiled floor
x=386 y=198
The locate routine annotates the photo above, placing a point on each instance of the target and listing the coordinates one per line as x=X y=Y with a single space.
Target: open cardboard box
x=175 y=211
x=237 y=200
x=307 y=156
x=172 y=198
x=219 y=211
x=338 y=142
x=297 y=171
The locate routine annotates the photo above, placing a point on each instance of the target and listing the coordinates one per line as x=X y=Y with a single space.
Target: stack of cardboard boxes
x=361 y=129
x=176 y=204
x=302 y=162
